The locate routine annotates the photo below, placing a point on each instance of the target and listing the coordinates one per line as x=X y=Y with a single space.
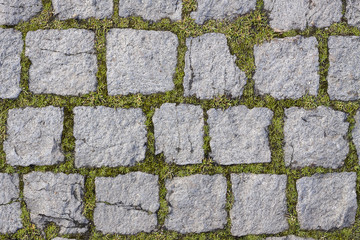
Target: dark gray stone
x=356 y=133
x=13 y=12
x=353 y=12
x=290 y=237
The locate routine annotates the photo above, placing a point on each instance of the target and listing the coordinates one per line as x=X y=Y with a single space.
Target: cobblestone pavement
x=179 y=119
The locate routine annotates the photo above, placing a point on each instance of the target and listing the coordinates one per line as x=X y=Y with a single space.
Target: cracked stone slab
x=287 y=67
x=315 y=137
x=179 y=133
x=11 y=45
x=153 y=10
x=63 y=62
x=109 y=137
x=140 y=61
x=327 y=201
x=344 y=73
x=259 y=204
x=34 y=136
x=290 y=237
x=352 y=13
x=126 y=204
x=56 y=198
x=13 y=12
x=356 y=133
x=286 y=15
x=210 y=69
x=239 y=135
x=196 y=203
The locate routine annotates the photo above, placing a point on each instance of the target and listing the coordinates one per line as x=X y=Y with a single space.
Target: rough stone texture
x=179 y=133
x=315 y=137
x=356 y=134
x=140 y=61
x=196 y=203
x=344 y=73
x=127 y=203
x=353 y=12
x=287 y=67
x=239 y=135
x=63 y=61
x=259 y=204
x=326 y=201
x=299 y=14
x=13 y=12
x=290 y=237
x=34 y=136
x=210 y=69
x=109 y=137
x=151 y=9
x=221 y=9
x=80 y=9
x=11 y=46
x=56 y=198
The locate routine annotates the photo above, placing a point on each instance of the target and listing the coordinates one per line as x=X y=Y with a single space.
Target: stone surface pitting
x=210 y=69
x=239 y=135
x=109 y=137
x=179 y=132
x=259 y=204
x=353 y=12
x=63 y=62
x=196 y=203
x=327 y=201
x=356 y=134
x=290 y=237
x=287 y=67
x=56 y=198
x=315 y=137
x=140 y=61
x=34 y=136
x=127 y=203
x=13 y=12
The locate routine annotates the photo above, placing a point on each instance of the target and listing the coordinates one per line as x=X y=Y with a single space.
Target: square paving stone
x=353 y=12
x=356 y=134
x=196 y=203
x=140 y=61
x=326 y=201
x=287 y=67
x=259 y=204
x=34 y=136
x=11 y=46
x=179 y=133
x=315 y=138
x=126 y=204
x=109 y=137
x=56 y=198
x=63 y=62
x=13 y=12
x=239 y=135
x=210 y=69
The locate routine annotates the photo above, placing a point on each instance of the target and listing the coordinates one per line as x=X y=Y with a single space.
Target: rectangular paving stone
x=34 y=136
x=179 y=133
x=63 y=62
x=352 y=13
x=287 y=67
x=356 y=133
x=326 y=201
x=13 y=12
x=127 y=203
x=259 y=204
x=140 y=61
x=239 y=135
x=315 y=137
x=109 y=137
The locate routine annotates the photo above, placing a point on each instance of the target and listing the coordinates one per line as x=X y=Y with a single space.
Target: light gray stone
x=196 y=203
x=353 y=12
x=315 y=137
x=326 y=201
x=11 y=46
x=151 y=9
x=298 y=14
x=140 y=61
x=80 y=9
x=63 y=62
x=56 y=198
x=13 y=12
x=287 y=67
x=344 y=73
x=356 y=134
x=9 y=188
x=109 y=137
x=259 y=204
x=239 y=135
x=34 y=136
x=290 y=237
x=127 y=203
x=221 y=9
x=210 y=69
x=179 y=132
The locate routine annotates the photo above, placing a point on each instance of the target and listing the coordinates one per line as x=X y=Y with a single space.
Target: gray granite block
x=353 y=12
x=356 y=133
x=13 y=12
